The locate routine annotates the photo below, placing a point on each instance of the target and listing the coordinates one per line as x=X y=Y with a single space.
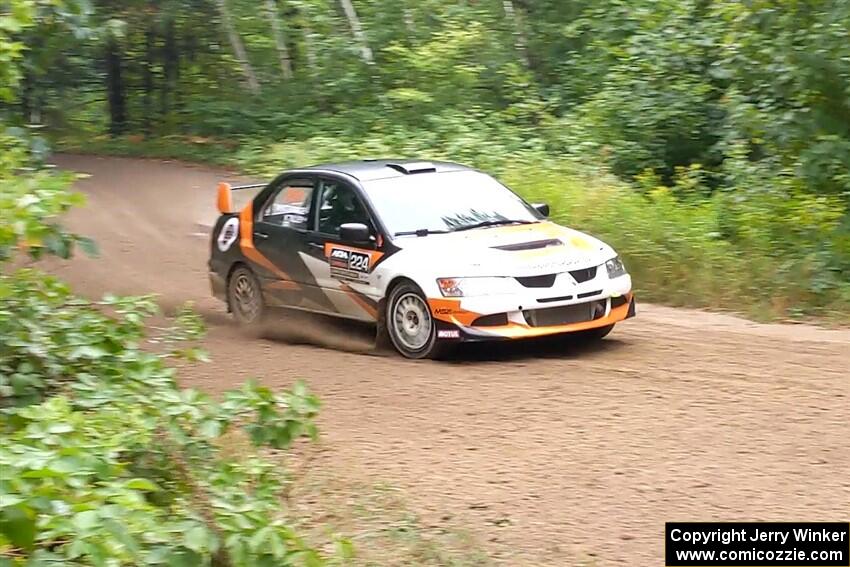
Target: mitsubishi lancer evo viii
x=434 y=253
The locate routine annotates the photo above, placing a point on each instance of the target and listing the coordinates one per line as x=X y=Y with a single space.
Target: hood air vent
x=410 y=167
x=530 y=245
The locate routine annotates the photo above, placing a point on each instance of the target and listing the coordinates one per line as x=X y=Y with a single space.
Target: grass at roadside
x=192 y=148
x=384 y=529
x=677 y=253
x=324 y=500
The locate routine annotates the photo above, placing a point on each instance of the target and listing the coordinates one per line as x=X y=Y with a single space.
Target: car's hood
x=513 y=250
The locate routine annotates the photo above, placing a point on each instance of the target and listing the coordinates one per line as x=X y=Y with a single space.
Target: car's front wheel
x=409 y=323
x=245 y=297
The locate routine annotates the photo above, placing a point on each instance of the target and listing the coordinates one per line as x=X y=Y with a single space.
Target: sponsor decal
x=228 y=235
x=348 y=264
x=444 y=311
x=448 y=334
x=350 y=275
x=338 y=258
x=548 y=267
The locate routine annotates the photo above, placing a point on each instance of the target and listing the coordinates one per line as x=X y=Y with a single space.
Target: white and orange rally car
x=434 y=253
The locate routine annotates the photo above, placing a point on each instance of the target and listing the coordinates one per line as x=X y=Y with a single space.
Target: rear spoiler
x=225 y=197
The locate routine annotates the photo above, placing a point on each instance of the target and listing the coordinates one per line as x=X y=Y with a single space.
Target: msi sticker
x=229 y=233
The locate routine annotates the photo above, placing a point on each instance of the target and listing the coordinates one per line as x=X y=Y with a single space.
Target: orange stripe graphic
x=246 y=243
x=449 y=310
x=356 y=296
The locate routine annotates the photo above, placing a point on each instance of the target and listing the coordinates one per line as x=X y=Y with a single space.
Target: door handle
x=262 y=235
x=316 y=245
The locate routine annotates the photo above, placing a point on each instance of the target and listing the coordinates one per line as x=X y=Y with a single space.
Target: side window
x=338 y=205
x=290 y=205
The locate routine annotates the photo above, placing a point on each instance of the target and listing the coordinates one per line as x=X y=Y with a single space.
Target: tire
x=409 y=324
x=245 y=298
x=593 y=335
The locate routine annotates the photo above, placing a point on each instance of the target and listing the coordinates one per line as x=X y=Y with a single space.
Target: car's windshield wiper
x=485 y=223
x=420 y=232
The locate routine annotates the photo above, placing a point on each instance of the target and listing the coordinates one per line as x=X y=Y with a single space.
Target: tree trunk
x=27 y=94
x=409 y=22
x=170 y=68
x=357 y=30
x=520 y=41
x=238 y=48
x=310 y=48
x=32 y=89
x=280 y=42
x=115 y=88
x=148 y=78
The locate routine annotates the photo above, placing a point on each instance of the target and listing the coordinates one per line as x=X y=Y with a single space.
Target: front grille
x=565 y=315
x=554 y=299
x=584 y=275
x=495 y=320
x=538 y=281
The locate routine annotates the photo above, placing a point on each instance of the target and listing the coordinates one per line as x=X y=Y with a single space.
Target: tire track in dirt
x=552 y=454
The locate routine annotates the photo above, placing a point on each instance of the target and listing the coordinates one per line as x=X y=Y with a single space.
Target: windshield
x=440 y=202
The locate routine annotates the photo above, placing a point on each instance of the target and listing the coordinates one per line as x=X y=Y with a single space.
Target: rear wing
x=225 y=195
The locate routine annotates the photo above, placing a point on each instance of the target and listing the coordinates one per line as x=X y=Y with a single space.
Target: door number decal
x=348 y=264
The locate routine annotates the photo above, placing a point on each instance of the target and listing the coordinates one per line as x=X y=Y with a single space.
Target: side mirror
x=354 y=232
x=542 y=208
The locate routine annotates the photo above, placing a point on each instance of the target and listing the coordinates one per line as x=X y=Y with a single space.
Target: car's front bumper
x=533 y=313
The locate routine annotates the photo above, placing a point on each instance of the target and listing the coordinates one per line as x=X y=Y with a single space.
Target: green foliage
x=763 y=254
x=30 y=203
x=104 y=460
x=14 y=18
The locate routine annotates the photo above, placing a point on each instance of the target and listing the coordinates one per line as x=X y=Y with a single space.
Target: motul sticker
x=228 y=235
x=448 y=334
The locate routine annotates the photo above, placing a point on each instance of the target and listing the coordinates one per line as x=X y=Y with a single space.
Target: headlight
x=469 y=287
x=615 y=267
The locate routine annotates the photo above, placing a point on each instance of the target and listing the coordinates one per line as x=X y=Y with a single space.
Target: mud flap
x=383 y=344
x=631 y=312
x=218 y=287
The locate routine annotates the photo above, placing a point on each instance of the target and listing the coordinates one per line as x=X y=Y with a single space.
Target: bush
x=768 y=251
x=104 y=459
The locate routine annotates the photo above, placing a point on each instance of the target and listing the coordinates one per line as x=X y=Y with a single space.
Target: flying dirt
x=551 y=454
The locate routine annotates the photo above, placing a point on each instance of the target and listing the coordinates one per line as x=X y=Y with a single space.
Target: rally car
x=433 y=253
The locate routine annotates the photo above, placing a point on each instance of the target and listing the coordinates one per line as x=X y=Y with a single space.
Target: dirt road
x=551 y=455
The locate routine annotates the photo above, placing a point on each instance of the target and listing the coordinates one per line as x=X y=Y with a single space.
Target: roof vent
x=413 y=167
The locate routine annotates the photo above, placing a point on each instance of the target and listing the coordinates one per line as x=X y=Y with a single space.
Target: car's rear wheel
x=409 y=323
x=245 y=297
